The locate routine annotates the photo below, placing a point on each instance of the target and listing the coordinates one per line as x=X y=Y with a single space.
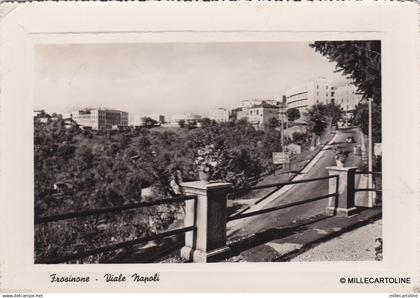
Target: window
x=317 y=86
x=326 y=87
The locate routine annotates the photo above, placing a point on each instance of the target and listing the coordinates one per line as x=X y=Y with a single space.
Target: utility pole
x=282 y=110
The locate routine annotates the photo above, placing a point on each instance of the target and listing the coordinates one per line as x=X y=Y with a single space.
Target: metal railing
x=287 y=205
x=79 y=214
x=368 y=173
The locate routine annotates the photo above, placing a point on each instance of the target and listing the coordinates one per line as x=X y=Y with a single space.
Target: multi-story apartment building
x=347 y=97
x=220 y=115
x=305 y=95
x=100 y=118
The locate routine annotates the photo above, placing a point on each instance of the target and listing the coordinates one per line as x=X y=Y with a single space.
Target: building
x=305 y=95
x=347 y=97
x=100 y=118
x=220 y=115
x=187 y=117
x=247 y=103
x=259 y=114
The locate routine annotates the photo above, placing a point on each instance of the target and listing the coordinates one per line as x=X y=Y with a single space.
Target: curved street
x=298 y=192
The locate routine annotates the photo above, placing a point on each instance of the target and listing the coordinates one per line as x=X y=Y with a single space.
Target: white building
x=347 y=97
x=305 y=95
x=100 y=118
x=186 y=117
x=220 y=115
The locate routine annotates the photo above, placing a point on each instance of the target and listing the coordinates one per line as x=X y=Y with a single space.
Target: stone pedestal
x=343 y=203
x=208 y=242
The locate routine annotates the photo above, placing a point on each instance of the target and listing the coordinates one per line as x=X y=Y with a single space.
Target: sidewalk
x=359 y=245
x=284 y=243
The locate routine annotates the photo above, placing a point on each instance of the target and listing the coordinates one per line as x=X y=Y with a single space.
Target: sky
x=172 y=78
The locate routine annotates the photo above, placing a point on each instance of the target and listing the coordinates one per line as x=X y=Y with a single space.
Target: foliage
x=208 y=158
x=181 y=123
x=360 y=61
x=317 y=118
x=300 y=138
x=111 y=168
x=293 y=114
x=361 y=118
x=333 y=113
x=149 y=122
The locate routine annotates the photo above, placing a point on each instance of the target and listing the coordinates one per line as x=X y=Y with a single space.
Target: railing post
x=208 y=242
x=343 y=203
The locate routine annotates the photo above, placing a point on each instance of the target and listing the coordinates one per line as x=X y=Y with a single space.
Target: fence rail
x=83 y=254
x=288 y=205
x=284 y=206
x=282 y=184
x=373 y=173
x=368 y=172
x=116 y=246
x=77 y=214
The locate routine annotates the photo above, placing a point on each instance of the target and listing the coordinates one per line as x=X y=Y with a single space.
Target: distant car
x=350 y=140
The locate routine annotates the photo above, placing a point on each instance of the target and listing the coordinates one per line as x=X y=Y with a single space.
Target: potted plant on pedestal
x=206 y=161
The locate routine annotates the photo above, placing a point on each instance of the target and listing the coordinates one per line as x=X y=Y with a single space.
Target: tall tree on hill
x=318 y=122
x=360 y=61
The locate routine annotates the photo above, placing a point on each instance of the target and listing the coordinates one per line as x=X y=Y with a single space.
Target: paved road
x=302 y=191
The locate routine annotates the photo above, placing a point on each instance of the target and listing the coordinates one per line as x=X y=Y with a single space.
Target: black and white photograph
x=208 y=152
x=209 y=147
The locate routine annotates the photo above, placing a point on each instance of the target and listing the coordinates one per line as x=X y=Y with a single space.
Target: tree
x=149 y=122
x=293 y=114
x=361 y=118
x=360 y=61
x=316 y=116
x=272 y=123
x=205 y=122
x=333 y=113
x=181 y=123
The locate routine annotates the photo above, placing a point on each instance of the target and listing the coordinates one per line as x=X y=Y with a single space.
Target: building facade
x=100 y=118
x=259 y=114
x=186 y=117
x=305 y=95
x=220 y=115
x=347 y=97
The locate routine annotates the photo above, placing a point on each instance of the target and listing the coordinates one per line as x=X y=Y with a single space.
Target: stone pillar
x=208 y=242
x=343 y=204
